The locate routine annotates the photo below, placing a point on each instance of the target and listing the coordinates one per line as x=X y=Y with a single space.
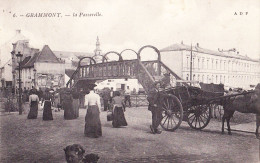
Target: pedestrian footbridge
x=147 y=72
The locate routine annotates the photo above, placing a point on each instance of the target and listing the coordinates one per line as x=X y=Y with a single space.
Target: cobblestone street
x=24 y=140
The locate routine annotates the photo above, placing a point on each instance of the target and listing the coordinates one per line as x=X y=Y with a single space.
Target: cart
x=186 y=103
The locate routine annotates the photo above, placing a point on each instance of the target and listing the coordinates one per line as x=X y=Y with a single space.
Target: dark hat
x=166 y=74
x=33 y=91
x=91 y=86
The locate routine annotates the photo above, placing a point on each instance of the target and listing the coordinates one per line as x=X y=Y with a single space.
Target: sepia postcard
x=129 y=81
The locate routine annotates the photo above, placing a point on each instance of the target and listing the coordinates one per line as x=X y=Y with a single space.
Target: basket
x=109 y=116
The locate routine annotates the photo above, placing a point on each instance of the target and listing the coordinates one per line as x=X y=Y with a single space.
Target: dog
x=91 y=158
x=75 y=154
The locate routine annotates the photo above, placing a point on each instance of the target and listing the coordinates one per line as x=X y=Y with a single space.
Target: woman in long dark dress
x=67 y=105
x=118 y=111
x=47 y=113
x=33 y=102
x=92 y=119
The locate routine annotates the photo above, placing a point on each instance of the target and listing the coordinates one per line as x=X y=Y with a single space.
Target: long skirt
x=92 y=122
x=119 y=117
x=69 y=112
x=47 y=113
x=33 y=110
x=76 y=107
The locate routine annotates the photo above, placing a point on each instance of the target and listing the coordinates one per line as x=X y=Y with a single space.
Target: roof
x=180 y=47
x=46 y=55
x=32 y=60
x=8 y=62
x=66 y=54
x=69 y=72
x=25 y=60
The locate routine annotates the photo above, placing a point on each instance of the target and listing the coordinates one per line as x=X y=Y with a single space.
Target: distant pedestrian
x=33 y=102
x=118 y=111
x=92 y=119
x=128 y=96
x=40 y=95
x=111 y=94
x=47 y=113
x=106 y=98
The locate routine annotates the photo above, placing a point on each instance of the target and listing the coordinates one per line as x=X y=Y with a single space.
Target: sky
x=135 y=23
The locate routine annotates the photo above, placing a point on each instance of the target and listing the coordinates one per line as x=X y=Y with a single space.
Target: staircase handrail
x=72 y=76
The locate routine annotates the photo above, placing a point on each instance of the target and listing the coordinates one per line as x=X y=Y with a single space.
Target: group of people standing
x=92 y=103
x=113 y=100
x=34 y=100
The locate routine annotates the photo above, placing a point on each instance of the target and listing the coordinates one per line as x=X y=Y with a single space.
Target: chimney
x=18 y=31
x=198 y=45
x=237 y=53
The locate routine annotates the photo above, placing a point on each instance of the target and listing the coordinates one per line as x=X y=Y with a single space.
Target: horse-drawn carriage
x=185 y=103
x=191 y=104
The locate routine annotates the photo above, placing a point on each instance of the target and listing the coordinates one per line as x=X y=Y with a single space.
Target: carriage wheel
x=172 y=113
x=199 y=116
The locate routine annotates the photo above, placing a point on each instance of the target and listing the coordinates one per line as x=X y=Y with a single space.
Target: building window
x=193 y=78
x=216 y=65
x=207 y=64
x=187 y=77
x=216 y=79
x=202 y=78
x=212 y=64
x=198 y=77
x=207 y=79
x=203 y=63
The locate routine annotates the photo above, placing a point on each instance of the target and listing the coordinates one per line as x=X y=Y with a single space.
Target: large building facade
x=6 y=65
x=43 y=70
x=208 y=66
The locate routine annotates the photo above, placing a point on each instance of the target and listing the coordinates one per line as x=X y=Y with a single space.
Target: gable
x=46 y=55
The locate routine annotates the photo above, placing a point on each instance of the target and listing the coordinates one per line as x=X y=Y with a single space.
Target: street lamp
x=19 y=59
x=34 y=73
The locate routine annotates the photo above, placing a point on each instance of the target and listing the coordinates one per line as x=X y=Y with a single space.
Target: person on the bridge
x=33 y=102
x=156 y=112
x=127 y=96
x=92 y=119
x=47 y=113
x=118 y=111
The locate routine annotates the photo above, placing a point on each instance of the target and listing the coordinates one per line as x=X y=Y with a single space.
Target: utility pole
x=191 y=64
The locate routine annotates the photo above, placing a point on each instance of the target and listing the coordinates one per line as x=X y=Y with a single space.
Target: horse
x=247 y=103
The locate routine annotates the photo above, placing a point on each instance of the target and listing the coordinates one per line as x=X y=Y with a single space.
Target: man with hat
x=165 y=81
